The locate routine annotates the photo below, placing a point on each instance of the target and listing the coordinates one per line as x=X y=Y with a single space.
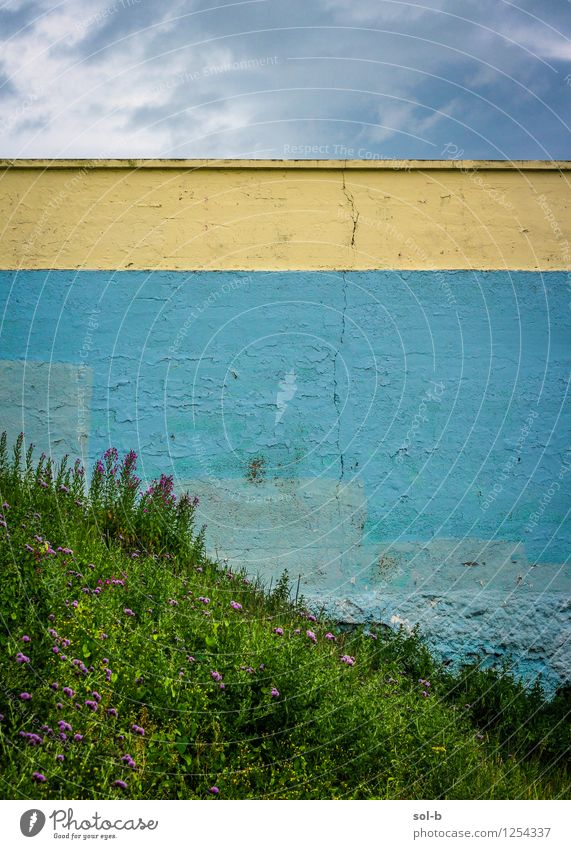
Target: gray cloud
x=378 y=78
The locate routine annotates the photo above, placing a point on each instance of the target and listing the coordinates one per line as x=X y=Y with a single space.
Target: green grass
x=337 y=729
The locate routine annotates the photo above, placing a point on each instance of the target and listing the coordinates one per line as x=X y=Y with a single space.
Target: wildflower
x=26 y=639
x=55 y=649
x=236 y=605
x=59 y=706
x=297 y=631
x=21 y=658
x=311 y=617
x=138 y=730
x=173 y=602
x=311 y=636
x=60 y=758
x=214 y=790
x=329 y=636
x=25 y=697
x=119 y=783
x=222 y=686
x=39 y=777
x=279 y=632
x=127 y=759
x=67 y=691
x=78 y=738
x=128 y=612
x=75 y=604
x=191 y=659
x=96 y=696
x=346 y=658
x=424 y=693
x=216 y=675
x=91 y=705
x=274 y=693
x=134 y=555
x=64 y=726
x=112 y=712
x=203 y=599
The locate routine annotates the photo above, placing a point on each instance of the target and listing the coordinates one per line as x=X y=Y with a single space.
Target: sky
x=366 y=79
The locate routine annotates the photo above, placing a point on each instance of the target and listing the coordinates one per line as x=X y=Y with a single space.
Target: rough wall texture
x=275 y=215
x=399 y=439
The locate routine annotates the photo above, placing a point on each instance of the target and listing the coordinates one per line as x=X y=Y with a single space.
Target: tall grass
x=135 y=666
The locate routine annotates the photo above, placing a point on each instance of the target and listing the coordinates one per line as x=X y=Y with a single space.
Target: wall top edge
x=295 y=164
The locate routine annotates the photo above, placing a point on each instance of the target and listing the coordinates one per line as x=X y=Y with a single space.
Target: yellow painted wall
x=238 y=214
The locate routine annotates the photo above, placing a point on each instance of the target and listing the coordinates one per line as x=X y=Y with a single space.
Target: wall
x=398 y=438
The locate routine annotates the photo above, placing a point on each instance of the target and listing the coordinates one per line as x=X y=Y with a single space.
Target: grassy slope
x=335 y=730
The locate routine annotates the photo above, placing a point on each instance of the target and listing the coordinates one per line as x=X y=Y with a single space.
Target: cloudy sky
x=286 y=78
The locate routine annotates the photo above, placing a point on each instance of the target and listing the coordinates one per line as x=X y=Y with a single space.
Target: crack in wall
x=354 y=213
x=336 y=399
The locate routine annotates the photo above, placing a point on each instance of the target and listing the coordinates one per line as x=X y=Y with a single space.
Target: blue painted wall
x=414 y=406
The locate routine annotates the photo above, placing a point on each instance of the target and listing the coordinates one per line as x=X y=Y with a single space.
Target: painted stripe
x=278 y=215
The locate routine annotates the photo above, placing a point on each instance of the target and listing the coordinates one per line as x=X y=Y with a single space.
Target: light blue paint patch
x=419 y=406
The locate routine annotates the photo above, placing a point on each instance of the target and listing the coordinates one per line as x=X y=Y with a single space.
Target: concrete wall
x=399 y=438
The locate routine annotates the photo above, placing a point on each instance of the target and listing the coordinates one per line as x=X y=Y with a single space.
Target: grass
x=133 y=666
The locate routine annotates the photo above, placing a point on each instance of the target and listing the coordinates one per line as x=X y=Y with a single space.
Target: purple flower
x=311 y=636
x=59 y=706
x=236 y=605
x=55 y=649
x=311 y=617
x=128 y=612
x=67 y=691
x=203 y=599
x=60 y=758
x=78 y=738
x=329 y=636
x=138 y=730
x=127 y=759
x=26 y=639
x=64 y=726
x=346 y=658
x=274 y=693
x=223 y=686
x=96 y=696
x=91 y=705
x=37 y=776
x=21 y=658
x=25 y=697
x=191 y=659
x=112 y=712
x=55 y=685
x=119 y=783
x=216 y=675
x=424 y=693
x=214 y=790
